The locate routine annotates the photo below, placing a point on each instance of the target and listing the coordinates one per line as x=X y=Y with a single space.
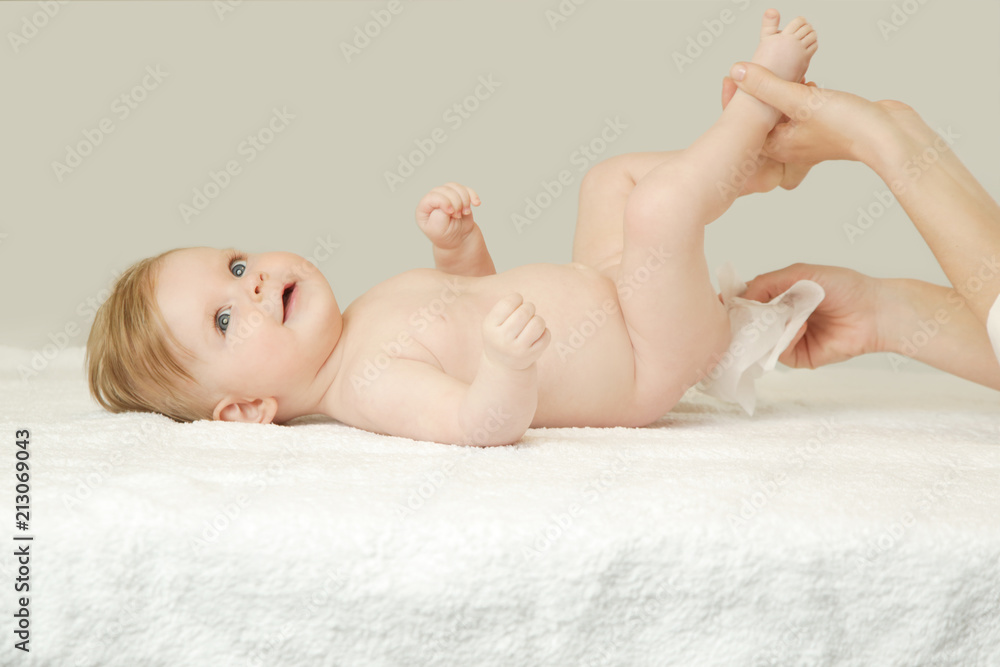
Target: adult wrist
x=884 y=149
x=895 y=312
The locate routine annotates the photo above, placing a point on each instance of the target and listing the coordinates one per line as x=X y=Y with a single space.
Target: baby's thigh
x=597 y=241
x=674 y=317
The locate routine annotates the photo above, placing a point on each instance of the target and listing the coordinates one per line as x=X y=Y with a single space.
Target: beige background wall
x=320 y=184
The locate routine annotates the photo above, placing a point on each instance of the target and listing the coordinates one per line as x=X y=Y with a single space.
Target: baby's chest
x=580 y=309
x=441 y=323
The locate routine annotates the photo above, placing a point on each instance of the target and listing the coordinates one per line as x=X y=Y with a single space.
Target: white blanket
x=852 y=521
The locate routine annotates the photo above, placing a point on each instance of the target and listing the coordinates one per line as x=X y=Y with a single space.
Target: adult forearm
x=499 y=405
x=471 y=258
x=935 y=325
x=957 y=218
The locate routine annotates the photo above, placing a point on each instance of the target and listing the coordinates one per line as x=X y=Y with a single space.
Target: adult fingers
x=769 y=88
x=766 y=286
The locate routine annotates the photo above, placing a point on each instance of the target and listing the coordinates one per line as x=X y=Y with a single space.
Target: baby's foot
x=785 y=52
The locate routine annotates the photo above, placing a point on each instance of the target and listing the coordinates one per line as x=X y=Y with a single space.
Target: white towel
x=853 y=524
x=761 y=332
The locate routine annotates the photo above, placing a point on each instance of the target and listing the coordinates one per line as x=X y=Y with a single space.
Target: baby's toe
x=803 y=31
x=794 y=25
x=769 y=24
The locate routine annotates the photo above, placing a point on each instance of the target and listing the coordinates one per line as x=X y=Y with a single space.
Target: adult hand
x=790 y=175
x=844 y=325
x=822 y=124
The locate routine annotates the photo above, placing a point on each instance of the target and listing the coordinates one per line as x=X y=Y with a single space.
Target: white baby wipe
x=761 y=332
x=993 y=327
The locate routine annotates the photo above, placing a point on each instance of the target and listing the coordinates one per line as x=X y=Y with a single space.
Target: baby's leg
x=677 y=325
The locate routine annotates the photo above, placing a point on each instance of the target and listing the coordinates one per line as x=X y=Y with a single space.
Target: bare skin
x=617 y=355
x=940 y=326
x=461 y=354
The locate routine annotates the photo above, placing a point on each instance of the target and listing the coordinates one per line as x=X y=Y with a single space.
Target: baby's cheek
x=282 y=352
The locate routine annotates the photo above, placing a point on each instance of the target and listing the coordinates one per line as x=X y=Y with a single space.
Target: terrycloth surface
x=852 y=521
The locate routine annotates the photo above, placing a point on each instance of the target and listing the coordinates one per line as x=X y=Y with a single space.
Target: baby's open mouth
x=286 y=300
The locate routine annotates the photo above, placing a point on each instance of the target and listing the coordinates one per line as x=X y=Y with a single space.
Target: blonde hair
x=131 y=360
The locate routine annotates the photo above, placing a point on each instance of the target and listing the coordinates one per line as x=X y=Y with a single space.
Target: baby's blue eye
x=222 y=320
x=237 y=268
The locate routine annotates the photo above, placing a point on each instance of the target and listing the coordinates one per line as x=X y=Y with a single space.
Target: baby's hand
x=445 y=214
x=513 y=335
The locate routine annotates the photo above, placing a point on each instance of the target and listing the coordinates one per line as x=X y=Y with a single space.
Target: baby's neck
x=320 y=397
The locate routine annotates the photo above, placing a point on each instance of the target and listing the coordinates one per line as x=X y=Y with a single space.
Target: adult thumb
x=765 y=287
x=769 y=88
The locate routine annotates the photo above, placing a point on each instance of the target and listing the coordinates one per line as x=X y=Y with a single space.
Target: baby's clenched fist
x=513 y=335
x=445 y=214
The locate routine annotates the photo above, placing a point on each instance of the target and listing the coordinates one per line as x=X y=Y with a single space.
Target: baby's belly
x=586 y=375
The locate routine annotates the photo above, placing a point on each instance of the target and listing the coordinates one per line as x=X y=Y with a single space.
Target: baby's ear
x=237 y=409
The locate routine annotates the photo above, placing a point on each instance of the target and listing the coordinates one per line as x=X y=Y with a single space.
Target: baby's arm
x=471 y=258
x=445 y=216
x=413 y=399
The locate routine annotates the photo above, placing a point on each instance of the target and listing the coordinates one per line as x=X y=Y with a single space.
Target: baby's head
x=201 y=333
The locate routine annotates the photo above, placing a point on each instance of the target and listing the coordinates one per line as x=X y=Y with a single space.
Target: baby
x=459 y=354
